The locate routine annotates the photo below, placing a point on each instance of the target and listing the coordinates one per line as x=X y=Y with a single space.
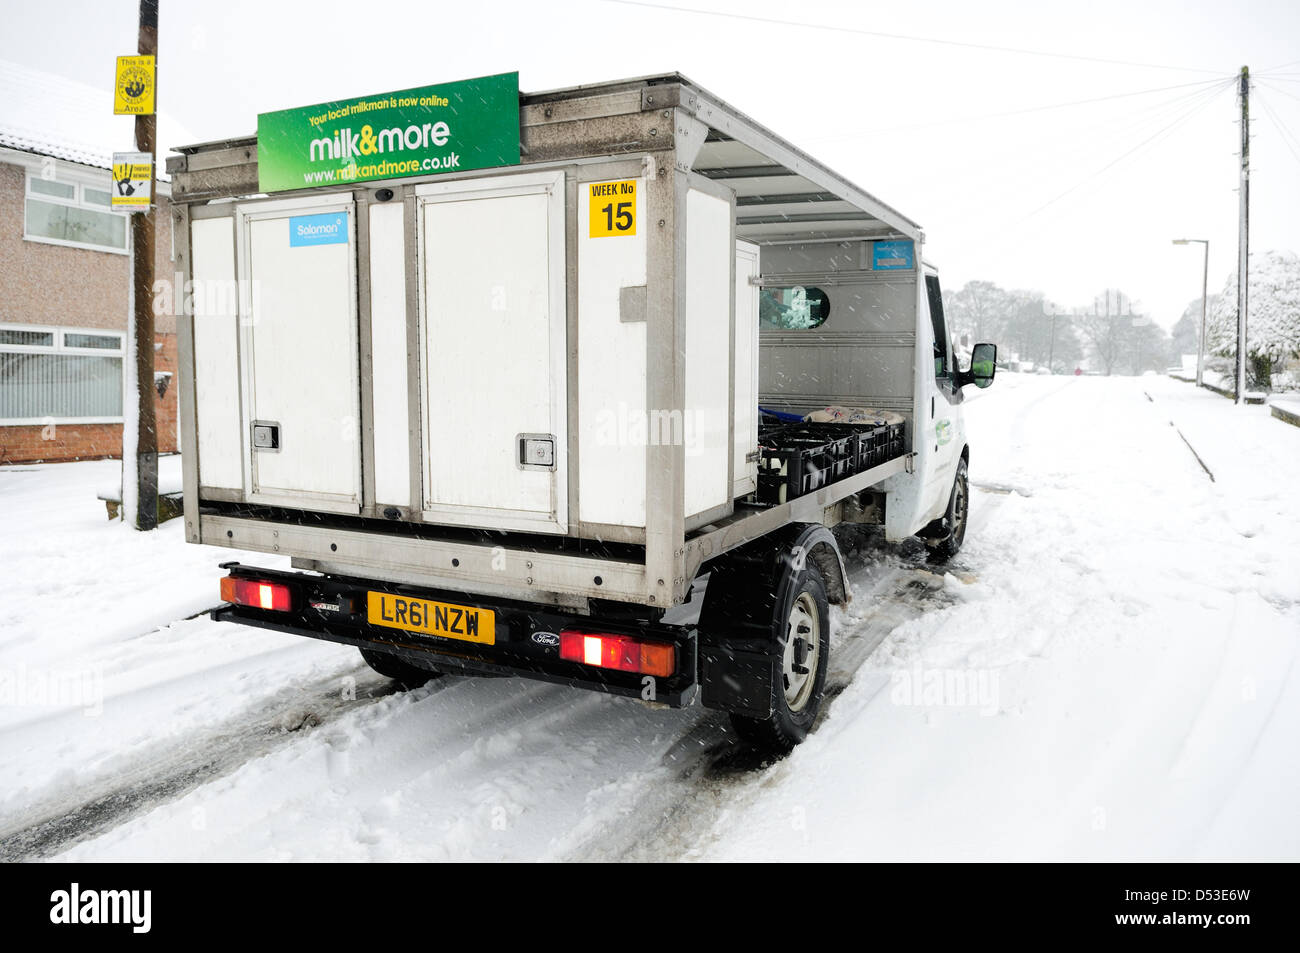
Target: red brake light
x=623 y=653
x=257 y=593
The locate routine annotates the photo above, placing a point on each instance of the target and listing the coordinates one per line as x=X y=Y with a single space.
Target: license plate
x=432 y=618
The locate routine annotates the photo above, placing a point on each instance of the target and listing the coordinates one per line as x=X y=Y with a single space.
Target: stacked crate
x=797 y=459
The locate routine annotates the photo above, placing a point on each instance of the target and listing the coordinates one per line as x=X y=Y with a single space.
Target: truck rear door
x=298 y=328
x=493 y=339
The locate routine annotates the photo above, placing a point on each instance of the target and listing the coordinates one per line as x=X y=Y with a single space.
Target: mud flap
x=738 y=681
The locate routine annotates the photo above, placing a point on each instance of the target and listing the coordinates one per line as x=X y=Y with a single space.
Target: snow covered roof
x=49 y=115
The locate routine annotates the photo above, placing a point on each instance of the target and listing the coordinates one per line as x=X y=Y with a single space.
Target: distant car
x=1041 y=370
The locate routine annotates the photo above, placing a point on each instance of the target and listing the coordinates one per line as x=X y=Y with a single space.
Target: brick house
x=64 y=275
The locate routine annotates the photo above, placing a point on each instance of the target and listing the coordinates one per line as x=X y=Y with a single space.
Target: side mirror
x=983 y=365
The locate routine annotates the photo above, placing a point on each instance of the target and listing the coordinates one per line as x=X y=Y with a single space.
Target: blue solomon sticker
x=330 y=228
x=892 y=256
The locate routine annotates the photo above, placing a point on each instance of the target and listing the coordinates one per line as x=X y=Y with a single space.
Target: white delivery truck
x=488 y=367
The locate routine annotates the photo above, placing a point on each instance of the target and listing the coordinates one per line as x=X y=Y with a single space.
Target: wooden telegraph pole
x=1243 y=235
x=142 y=277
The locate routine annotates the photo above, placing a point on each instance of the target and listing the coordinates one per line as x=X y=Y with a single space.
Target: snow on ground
x=1127 y=646
x=170 y=479
x=1107 y=671
x=95 y=670
x=1288 y=402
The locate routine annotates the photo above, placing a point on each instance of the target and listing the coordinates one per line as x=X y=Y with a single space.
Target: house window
x=60 y=375
x=66 y=212
x=27 y=338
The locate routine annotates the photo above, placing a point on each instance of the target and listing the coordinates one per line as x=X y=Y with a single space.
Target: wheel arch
x=746 y=589
x=820 y=548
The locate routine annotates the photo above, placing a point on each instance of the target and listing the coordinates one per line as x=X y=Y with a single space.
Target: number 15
x=620 y=220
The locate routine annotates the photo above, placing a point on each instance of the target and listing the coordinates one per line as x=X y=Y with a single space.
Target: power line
x=1203 y=100
x=1206 y=97
x=1274 y=69
x=1279 y=89
x=911 y=38
x=1014 y=112
x=1132 y=124
x=1289 y=138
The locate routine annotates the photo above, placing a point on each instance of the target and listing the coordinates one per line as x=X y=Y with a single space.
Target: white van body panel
x=745 y=336
x=939 y=436
x=298 y=354
x=389 y=380
x=219 y=430
x=494 y=352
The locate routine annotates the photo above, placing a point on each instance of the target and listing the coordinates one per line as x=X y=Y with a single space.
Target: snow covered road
x=1107 y=671
x=1118 y=681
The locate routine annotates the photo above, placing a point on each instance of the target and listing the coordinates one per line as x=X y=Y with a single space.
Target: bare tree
x=1107 y=327
x=981 y=309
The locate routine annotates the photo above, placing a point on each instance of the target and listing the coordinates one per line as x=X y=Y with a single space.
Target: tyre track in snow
x=702 y=774
x=172 y=769
x=676 y=799
x=703 y=762
x=709 y=774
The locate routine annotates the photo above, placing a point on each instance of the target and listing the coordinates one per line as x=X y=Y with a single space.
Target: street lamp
x=1205 y=281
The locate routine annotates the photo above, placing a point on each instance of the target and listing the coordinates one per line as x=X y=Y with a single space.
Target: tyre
x=801 y=626
x=399 y=670
x=953 y=525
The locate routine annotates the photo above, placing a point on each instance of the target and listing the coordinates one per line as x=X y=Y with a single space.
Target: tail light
x=624 y=653
x=257 y=593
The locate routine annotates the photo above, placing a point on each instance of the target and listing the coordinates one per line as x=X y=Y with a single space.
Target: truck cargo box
x=541 y=379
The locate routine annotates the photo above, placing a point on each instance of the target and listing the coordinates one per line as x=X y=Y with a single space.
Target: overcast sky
x=1066 y=199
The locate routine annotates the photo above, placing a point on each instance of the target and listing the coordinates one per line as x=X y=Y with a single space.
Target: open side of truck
x=506 y=421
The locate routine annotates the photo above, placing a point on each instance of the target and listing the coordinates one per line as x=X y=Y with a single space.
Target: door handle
x=535 y=451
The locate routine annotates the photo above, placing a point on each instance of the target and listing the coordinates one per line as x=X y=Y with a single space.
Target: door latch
x=535 y=451
x=266 y=435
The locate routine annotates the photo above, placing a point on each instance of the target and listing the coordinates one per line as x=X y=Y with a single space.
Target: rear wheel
x=953 y=524
x=399 y=670
x=802 y=629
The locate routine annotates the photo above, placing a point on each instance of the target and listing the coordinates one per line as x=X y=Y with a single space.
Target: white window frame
x=79 y=183
x=59 y=347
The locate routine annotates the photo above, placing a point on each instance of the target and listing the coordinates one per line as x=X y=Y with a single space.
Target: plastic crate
x=797 y=459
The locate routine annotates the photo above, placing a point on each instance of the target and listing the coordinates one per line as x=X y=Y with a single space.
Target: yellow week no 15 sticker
x=612 y=208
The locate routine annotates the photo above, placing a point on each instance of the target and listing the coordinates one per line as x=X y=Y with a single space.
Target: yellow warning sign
x=611 y=208
x=132 y=180
x=133 y=86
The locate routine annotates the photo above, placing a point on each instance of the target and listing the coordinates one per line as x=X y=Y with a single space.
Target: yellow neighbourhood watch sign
x=133 y=86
